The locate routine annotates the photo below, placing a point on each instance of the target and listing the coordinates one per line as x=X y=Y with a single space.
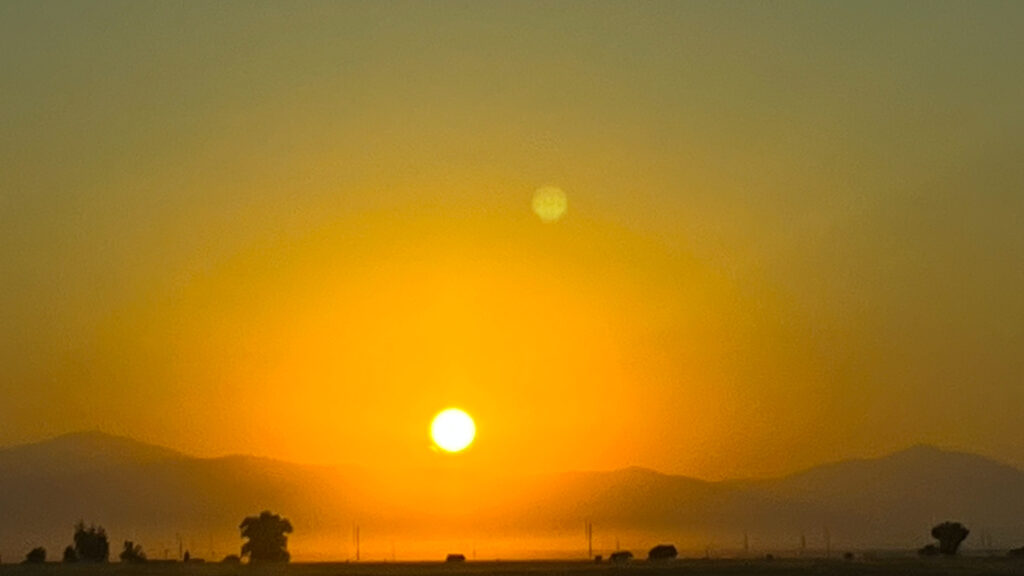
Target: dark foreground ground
x=778 y=567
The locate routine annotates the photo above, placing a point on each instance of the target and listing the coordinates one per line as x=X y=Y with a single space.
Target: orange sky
x=793 y=231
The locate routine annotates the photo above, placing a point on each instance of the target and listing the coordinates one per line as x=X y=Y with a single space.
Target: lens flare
x=550 y=204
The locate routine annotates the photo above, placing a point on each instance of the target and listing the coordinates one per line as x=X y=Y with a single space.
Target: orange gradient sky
x=794 y=230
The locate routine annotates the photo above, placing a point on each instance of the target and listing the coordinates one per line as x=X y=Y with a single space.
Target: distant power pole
x=590 y=539
x=828 y=543
x=746 y=543
x=355 y=537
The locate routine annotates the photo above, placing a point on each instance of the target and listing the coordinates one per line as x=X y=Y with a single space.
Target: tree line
x=266 y=537
x=266 y=541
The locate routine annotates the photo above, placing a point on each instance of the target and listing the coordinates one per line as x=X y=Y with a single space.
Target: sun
x=452 y=430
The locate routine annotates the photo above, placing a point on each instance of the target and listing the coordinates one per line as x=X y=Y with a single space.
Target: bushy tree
x=267 y=538
x=36 y=556
x=91 y=543
x=949 y=535
x=132 y=553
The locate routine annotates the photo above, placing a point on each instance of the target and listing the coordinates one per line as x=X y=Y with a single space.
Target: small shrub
x=663 y=552
x=621 y=557
x=36 y=556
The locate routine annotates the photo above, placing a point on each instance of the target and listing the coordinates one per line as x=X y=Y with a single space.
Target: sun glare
x=452 y=430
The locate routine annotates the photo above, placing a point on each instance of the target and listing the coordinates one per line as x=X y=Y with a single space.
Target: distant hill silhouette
x=149 y=495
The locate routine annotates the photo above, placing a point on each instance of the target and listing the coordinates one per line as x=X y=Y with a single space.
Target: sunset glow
x=433 y=244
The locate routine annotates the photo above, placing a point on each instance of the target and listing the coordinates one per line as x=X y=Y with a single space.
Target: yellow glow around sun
x=452 y=430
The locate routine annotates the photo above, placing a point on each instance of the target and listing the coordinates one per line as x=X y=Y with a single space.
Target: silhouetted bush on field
x=663 y=552
x=621 y=557
x=36 y=556
x=1016 y=553
x=132 y=553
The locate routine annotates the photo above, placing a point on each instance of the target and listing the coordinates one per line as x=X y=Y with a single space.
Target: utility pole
x=590 y=539
x=356 y=537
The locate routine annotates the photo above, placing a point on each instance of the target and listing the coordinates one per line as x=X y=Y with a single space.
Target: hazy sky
x=300 y=229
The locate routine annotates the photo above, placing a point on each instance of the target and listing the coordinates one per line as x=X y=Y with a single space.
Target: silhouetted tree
x=949 y=535
x=663 y=552
x=69 y=555
x=132 y=553
x=267 y=538
x=91 y=543
x=36 y=556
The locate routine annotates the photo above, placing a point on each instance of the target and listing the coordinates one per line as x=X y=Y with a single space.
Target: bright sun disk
x=452 y=430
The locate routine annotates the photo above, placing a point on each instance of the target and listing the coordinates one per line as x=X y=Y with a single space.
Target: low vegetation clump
x=621 y=557
x=663 y=552
x=133 y=554
x=36 y=556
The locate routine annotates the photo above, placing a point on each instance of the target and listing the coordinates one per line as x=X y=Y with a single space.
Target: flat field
x=683 y=567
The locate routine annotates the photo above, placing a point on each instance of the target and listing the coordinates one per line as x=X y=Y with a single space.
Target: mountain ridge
x=98 y=437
